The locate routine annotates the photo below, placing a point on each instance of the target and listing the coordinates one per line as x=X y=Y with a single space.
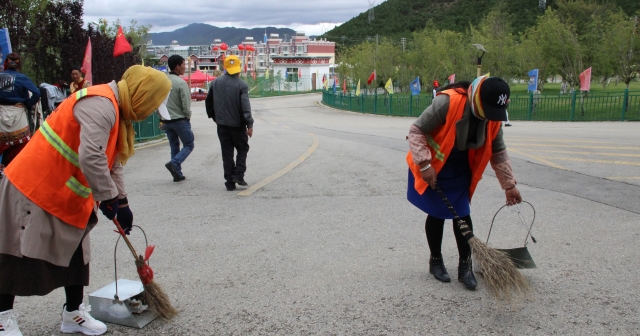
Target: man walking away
x=228 y=105
x=177 y=124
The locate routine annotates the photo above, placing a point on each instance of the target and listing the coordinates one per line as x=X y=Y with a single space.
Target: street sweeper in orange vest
x=49 y=196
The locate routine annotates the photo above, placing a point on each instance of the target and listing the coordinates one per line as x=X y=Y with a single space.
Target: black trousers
x=233 y=138
x=434 y=228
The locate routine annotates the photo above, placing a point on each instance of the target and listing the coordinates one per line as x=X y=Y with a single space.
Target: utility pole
x=403 y=40
x=377 y=35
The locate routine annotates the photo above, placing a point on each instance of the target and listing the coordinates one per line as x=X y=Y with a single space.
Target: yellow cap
x=232 y=64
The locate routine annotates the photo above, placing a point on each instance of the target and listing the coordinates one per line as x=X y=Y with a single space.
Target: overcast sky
x=314 y=17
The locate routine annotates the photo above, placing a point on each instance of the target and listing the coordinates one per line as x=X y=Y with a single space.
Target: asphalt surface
x=332 y=247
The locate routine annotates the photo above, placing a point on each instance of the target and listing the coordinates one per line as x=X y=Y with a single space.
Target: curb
x=152 y=142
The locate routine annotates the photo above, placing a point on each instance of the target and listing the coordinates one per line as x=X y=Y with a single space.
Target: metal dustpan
x=519 y=255
x=122 y=301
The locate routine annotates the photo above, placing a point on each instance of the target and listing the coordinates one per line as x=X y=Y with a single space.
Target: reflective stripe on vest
x=436 y=148
x=81 y=93
x=57 y=143
x=78 y=188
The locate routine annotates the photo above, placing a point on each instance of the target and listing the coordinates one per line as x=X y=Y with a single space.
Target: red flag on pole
x=86 y=63
x=299 y=73
x=585 y=80
x=253 y=74
x=122 y=45
x=372 y=77
x=344 y=86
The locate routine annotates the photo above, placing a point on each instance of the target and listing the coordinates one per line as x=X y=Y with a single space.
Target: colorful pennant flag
x=389 y=86
x=415 y=86
x=585 y=80
x=344 y=86
x=358 y=88
x=452 y=78
x=533 y=80
x=371 y=78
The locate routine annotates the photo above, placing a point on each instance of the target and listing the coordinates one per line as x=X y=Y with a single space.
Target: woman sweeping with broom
x=48 y=197
x=451 y=144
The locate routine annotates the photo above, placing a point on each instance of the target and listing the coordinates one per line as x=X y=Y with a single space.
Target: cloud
x=311 y=16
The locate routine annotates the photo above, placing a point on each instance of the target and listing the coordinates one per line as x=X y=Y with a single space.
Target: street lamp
x=480 y=48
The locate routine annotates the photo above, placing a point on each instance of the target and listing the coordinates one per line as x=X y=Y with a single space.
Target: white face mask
x=162 y=109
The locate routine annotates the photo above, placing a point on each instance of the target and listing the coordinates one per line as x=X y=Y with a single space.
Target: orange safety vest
x=443 y=138
x=47 y=171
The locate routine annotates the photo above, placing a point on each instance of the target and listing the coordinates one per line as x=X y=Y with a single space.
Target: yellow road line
x=623 y=178
x=282 y=171
x=538 y=158
x=153 y=144
x=572 y=146
x=579 y=153
x=629 y=163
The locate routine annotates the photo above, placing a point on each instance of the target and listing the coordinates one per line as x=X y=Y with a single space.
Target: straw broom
x=154 y=294
x=500 y=274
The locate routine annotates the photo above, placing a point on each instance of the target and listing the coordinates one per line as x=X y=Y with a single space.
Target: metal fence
x=148 y=128
x=577 y=106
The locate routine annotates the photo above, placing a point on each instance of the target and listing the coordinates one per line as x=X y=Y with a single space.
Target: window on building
x=292 y=74
x=273 y=50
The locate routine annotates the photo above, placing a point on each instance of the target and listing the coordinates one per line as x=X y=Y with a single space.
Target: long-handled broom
x=500 y=274
x=154 y=294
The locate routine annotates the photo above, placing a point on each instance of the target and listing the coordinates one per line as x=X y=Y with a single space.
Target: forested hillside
x=565 y=39
x=399 y=18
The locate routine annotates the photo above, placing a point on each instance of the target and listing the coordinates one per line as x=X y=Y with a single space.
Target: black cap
x=494 y=94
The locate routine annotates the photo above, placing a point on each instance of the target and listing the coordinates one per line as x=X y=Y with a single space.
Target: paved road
x=331 y=246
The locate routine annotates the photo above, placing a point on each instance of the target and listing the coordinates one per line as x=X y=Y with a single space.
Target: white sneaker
x=9 y=324
x=81 y=321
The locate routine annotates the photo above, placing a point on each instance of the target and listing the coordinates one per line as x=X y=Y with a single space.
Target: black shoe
x=465 y=274
x=508 y=125
x=436 y=267
x=240 y=181
x=230 y=186
x=173 y=170
x=181 y=178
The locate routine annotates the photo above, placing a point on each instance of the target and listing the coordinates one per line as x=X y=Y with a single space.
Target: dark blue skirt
x=454 y=179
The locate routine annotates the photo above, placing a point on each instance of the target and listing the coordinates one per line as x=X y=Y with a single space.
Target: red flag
x=122 y=45
x=86 y=63
x=372 y=77
x=324 y=78
x=299 y=73
x=344 y=86
x=245 y=67
x=585 y=80
x=253 y=74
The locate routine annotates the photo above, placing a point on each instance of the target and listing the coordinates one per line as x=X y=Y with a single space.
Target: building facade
x=273 y=54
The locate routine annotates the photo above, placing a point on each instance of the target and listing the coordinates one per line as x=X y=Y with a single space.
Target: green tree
x=622 y=41
x=494 y=33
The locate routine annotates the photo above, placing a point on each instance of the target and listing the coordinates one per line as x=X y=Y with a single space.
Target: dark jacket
x=227 y=102
x=15 y=87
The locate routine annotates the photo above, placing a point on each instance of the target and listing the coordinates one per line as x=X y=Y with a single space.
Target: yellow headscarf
x=141 y=92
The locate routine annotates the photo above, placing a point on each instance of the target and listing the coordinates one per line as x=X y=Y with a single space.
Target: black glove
x=125 y=216
x=109 y=208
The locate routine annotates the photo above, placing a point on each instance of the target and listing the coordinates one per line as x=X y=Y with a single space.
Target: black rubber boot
x=465 y=274
x=436 y=267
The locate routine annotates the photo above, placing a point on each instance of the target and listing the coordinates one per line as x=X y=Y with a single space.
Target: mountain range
x=204 y=34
